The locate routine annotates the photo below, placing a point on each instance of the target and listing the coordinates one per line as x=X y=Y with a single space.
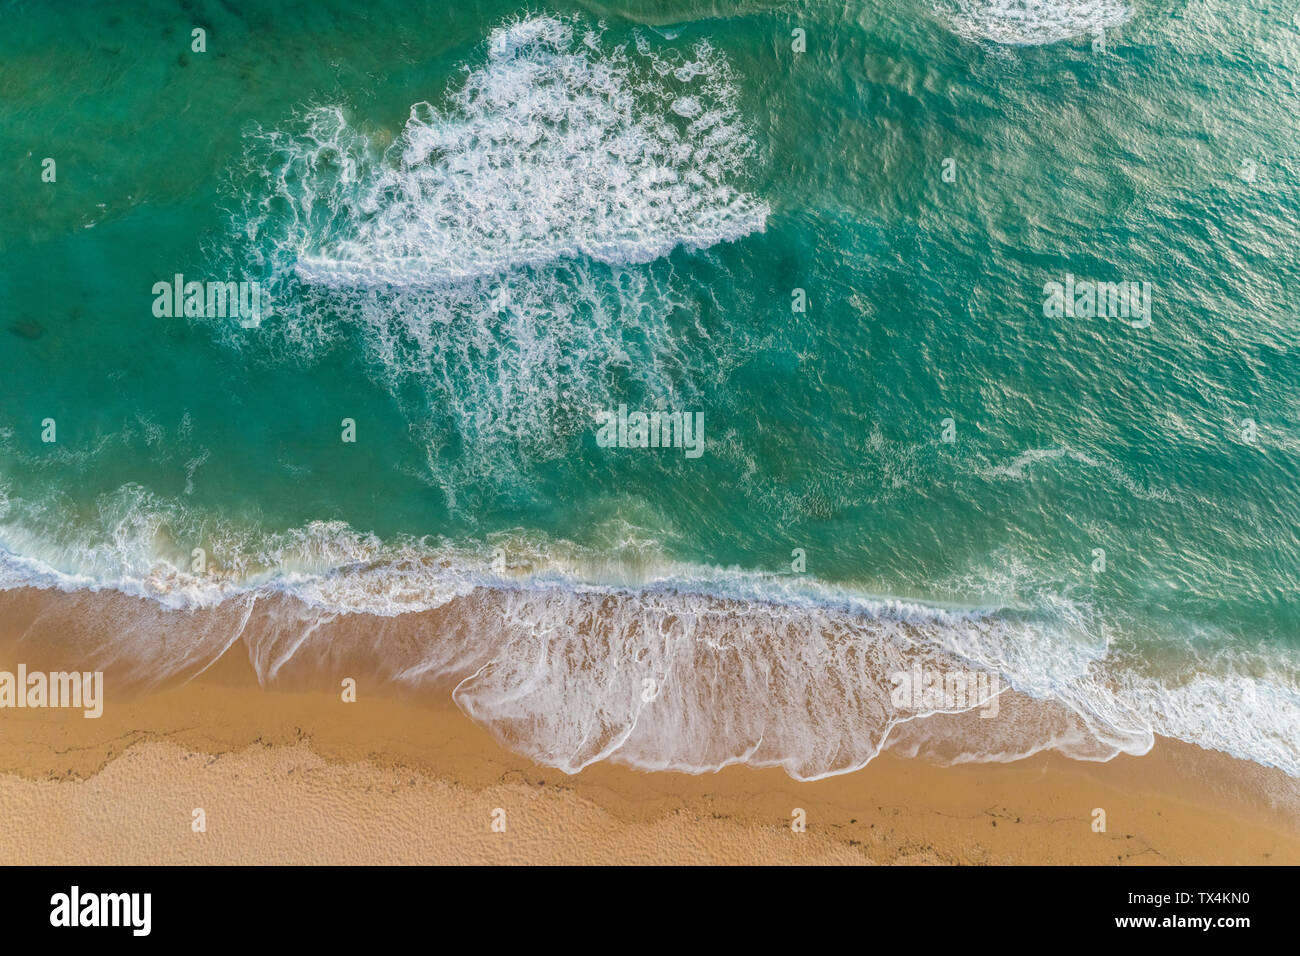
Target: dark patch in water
x=28 y=329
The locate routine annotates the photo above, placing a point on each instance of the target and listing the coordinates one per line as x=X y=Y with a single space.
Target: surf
x=511 y=249
x=1033 y=22
x=574 y=655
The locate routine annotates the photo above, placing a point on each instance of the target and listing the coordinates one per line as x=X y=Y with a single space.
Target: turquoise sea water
x=481 y=225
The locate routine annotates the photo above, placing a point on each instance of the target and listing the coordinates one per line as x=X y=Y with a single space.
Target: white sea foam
x=573 y=655
x=1033 y=22
x=559 y=146
x=1022 y=467
x=503 y=258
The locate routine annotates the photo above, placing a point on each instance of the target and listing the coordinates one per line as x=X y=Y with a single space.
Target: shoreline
x=303 y=777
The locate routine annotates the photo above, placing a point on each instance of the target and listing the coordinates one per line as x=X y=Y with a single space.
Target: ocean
x=967 y=331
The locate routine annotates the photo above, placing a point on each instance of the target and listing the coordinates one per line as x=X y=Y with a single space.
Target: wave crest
x=503 y=261
x=574 y=655
x=1033 y=22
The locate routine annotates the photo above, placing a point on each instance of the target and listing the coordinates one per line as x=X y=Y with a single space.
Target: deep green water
x=551 y=237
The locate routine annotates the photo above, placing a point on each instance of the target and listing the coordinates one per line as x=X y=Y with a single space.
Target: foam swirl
x=1033 y=22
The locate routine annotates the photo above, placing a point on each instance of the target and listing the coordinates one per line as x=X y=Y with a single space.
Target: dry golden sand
x=306 y=778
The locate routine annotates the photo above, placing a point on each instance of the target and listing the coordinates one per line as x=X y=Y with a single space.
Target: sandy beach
x=305 y=777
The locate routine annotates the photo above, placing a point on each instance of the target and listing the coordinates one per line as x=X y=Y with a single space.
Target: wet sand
x=305 y=777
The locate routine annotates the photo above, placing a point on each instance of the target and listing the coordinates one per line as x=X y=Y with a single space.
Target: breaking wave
x=1033 y=22
x=574 y=655
x=507 y=255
